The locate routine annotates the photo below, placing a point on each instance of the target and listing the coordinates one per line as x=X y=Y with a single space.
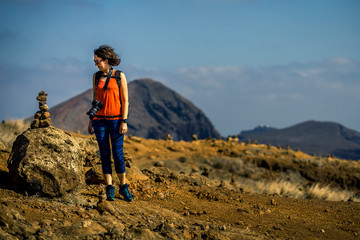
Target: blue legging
x=103 y=129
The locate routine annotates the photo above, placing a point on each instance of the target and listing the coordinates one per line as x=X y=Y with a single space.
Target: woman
x=111 y=118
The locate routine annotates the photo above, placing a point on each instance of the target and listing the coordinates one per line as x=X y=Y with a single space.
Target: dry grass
x=259 y=180
x=9 y=130
x=296 y=190
x=288 y=183
x=327 y=193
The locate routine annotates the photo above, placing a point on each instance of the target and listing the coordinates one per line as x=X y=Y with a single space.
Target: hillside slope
x=191 y=194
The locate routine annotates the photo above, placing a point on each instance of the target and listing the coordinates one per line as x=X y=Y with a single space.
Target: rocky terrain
x=155 y=111
x=204 y=189
x=312 y=137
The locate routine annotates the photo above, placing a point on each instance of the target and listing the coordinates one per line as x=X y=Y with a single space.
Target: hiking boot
x=110 y=193
x=124 y=191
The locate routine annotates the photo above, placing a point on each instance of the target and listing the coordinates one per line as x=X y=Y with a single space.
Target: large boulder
x=47 y=161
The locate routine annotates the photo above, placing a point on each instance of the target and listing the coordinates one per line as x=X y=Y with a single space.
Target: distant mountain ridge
x=155 y=111
x=260 y=128
x=313 y=137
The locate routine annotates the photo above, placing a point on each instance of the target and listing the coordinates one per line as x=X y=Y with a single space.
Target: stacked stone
x=42 y=117
x=168 y=137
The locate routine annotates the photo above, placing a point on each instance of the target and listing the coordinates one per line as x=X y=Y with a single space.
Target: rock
x=233 y=182
x=4 y=235
x=160 y=179
x=35 y=123
x=168 y=137
x=86 y=229
x=15 y=223
x=188 y=235
x=222 y=228
x=45 y=115
x=223 y=184
x=134 y=138
x=242 y=189
x=110 y=223
x=47 y=161
x=194 y=137
x=3 y=147
x=235 y=138
x=38 y=115
x=94 y=175
x=147 y=234
x=41 y=98
x=159 y=164
x=133 y=173
x=81 y=212
x=205 y=172
x=44 y=107
x=105 y=206
x=45 y=122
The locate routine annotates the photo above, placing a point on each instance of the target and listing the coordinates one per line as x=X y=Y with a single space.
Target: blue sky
x=243 y=62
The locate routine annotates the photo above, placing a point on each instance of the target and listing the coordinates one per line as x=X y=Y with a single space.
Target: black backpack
x=99 y=74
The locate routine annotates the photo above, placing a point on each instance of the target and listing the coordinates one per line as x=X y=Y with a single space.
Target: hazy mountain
x=313 y=137
x=155 y=111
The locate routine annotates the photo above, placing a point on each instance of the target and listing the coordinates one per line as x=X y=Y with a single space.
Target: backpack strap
x=118 y=77
x=118 y=80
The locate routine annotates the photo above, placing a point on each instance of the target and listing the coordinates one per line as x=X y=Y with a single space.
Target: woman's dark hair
x=106 y=52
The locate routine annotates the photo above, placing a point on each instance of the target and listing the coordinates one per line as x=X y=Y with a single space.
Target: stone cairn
x=168 y=137
x=42 y=117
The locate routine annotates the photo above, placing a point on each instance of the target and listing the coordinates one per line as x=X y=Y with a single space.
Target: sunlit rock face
x=46 y=161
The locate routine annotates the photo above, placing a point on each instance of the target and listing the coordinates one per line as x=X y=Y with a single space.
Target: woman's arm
x=90 y=128
x=94 y=87
x=125 y=102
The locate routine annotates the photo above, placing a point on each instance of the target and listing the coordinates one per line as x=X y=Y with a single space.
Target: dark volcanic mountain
x=155 y=111
x=313 y=137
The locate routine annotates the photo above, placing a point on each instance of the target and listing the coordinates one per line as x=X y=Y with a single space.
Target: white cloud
x=342 y=61
x=67 y=65
x=310 y=72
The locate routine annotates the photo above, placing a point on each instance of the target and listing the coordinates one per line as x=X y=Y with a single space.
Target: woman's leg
x=117 y=142
x=108 y=179
x=122 y=178
x=102 y=137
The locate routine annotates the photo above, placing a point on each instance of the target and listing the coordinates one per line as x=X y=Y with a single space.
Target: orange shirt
x=111 y=99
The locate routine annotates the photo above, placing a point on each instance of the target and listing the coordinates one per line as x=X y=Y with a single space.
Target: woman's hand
x=90 y=127
x=123 y=128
